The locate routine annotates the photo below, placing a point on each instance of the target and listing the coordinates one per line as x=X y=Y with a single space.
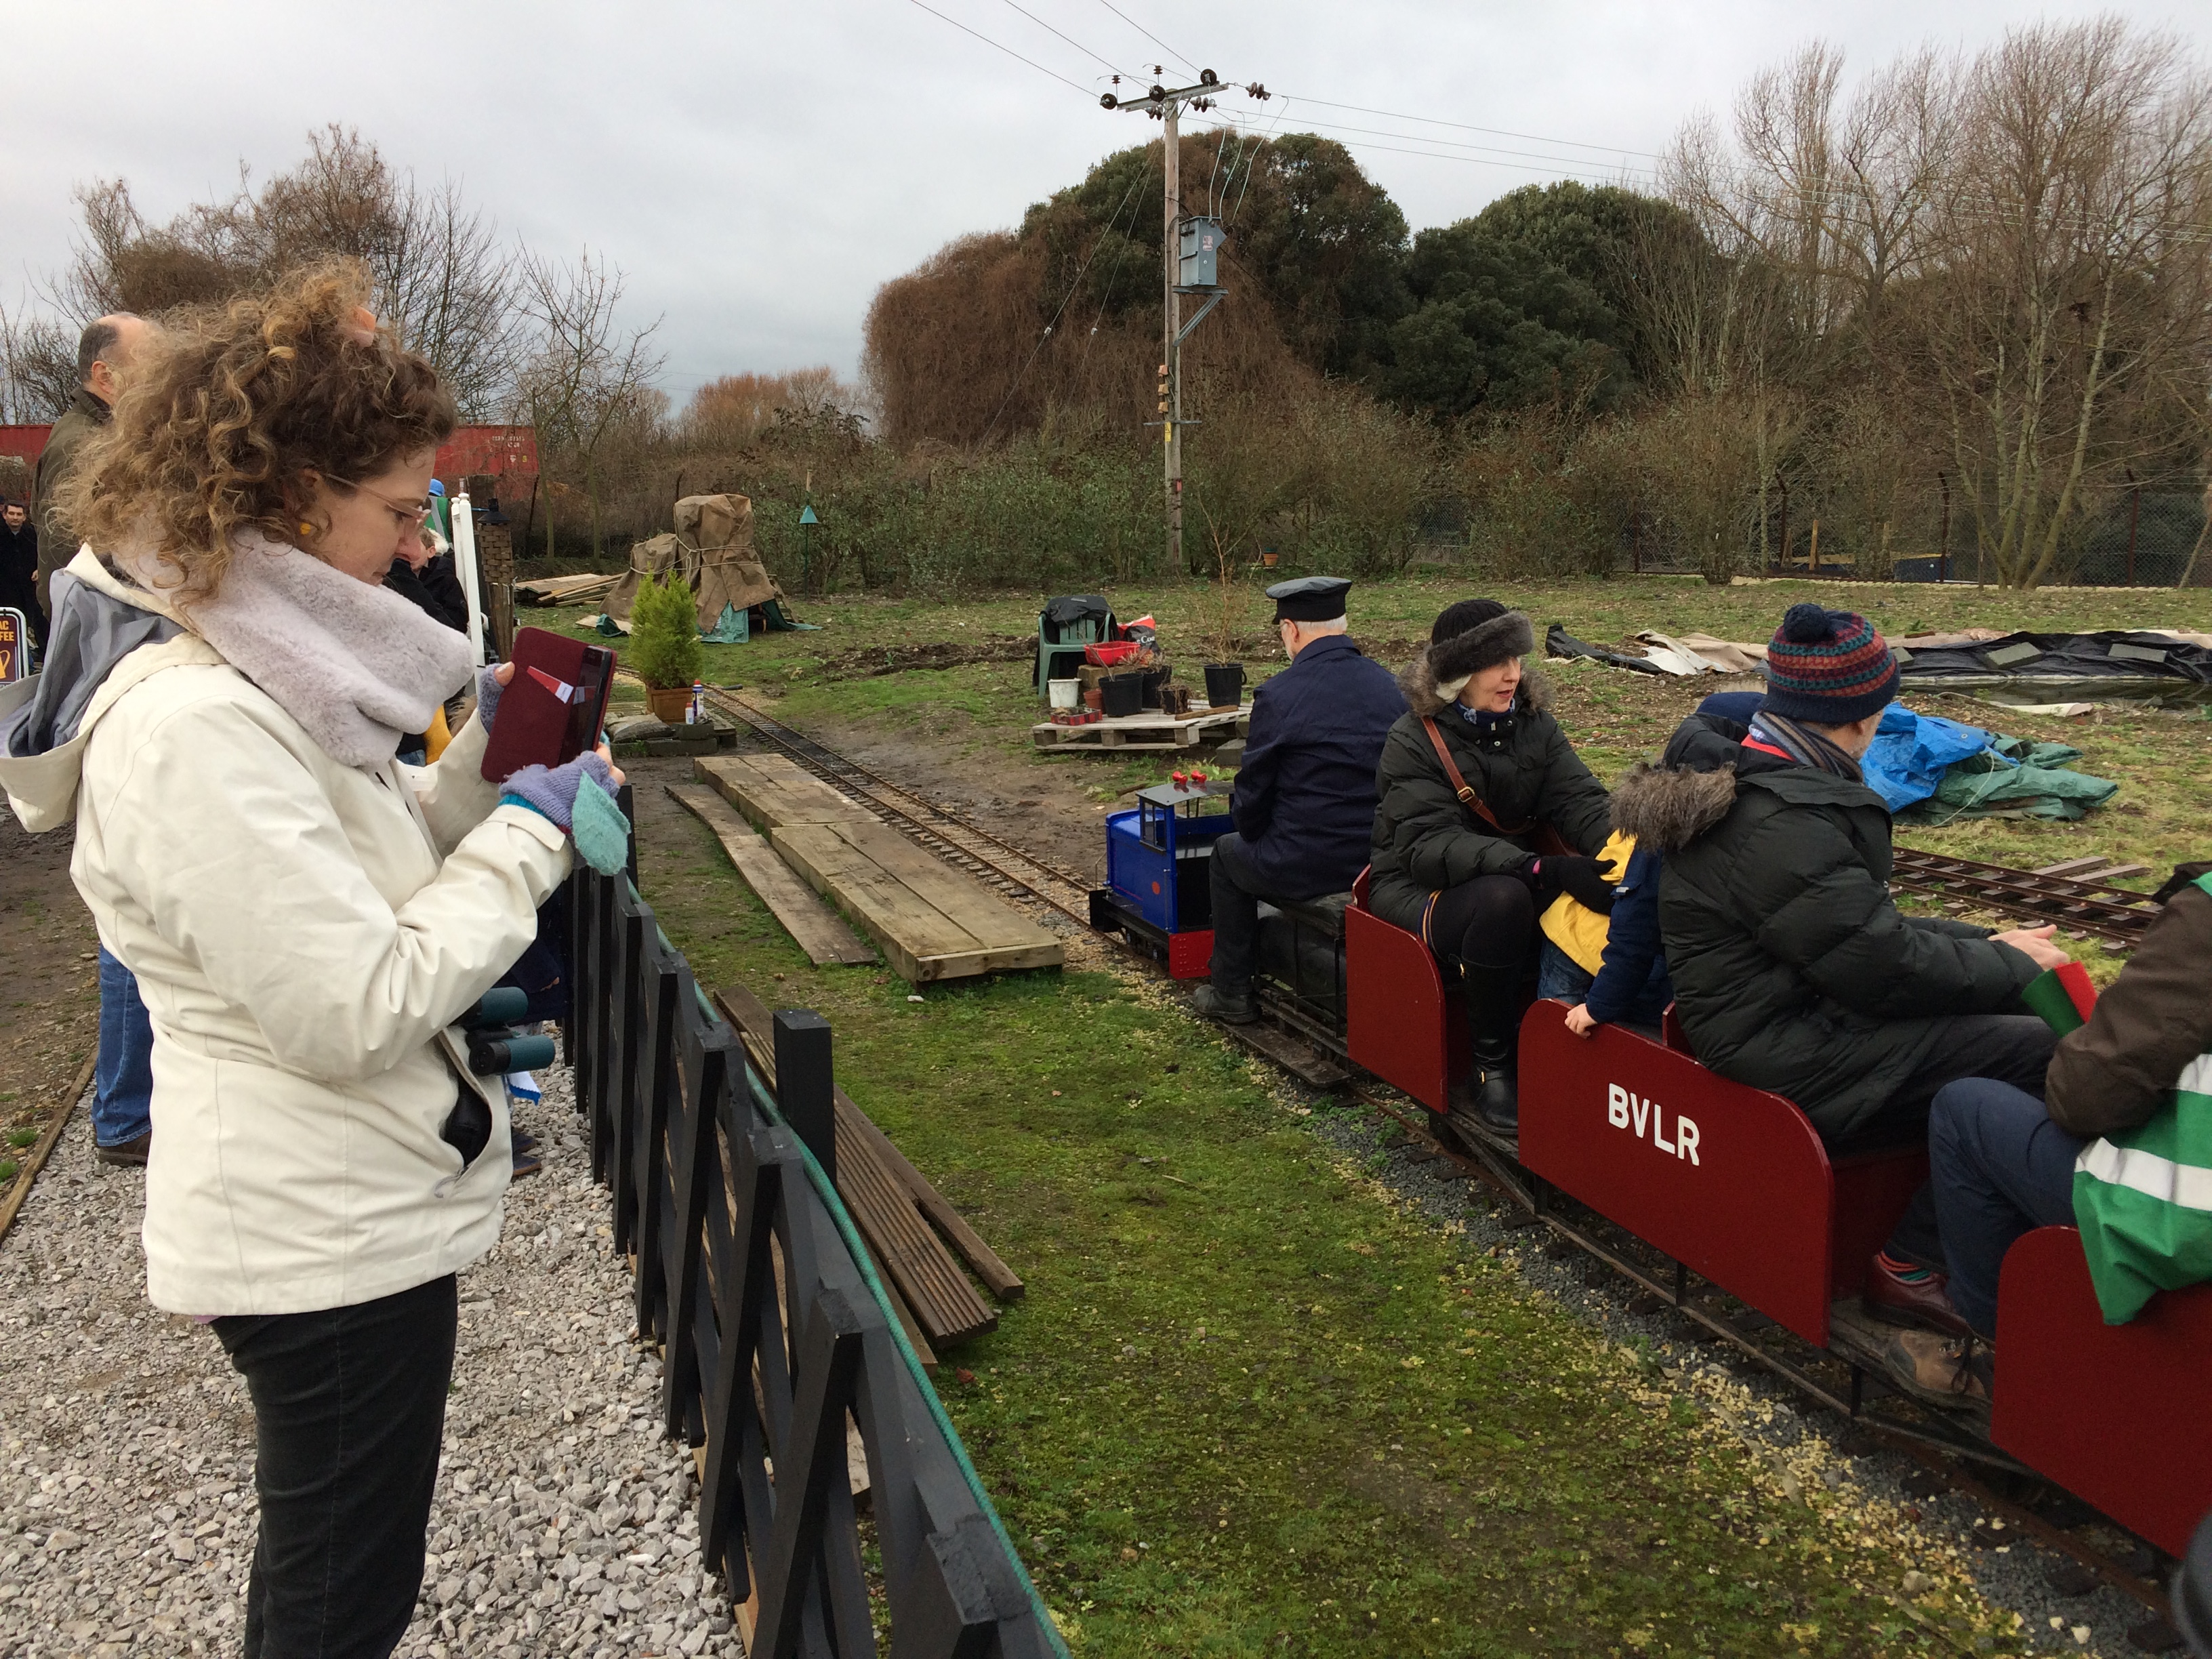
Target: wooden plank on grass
x=775 y=792
x=756 y=1027
x=925 y=1282
x=943 y=1302
x=819 y=931
x=932 y=922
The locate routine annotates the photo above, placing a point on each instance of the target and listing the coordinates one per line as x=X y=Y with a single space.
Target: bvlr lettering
x=1632 y=1112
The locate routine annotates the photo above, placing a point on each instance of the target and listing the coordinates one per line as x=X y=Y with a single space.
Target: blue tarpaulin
x=1935 y=771
x=1912 y=752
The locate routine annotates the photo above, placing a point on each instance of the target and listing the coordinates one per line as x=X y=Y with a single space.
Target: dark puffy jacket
x=1793 y=970
x=1305 y=789
x=1525 y=771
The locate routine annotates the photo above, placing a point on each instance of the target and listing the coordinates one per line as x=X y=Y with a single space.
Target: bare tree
x=442 y=279
x=583 y=381
x=38 y=367
x=2072 y=327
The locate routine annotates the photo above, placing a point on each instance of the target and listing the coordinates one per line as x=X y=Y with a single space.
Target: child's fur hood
x=1668 y=807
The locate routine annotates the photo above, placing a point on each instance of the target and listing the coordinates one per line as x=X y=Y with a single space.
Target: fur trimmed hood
x=1417 y=680
x=1666 y=807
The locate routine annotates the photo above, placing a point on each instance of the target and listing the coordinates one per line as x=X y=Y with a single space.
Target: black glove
x=1582 y=879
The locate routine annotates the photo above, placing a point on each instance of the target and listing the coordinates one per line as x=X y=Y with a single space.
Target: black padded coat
x=1425 y=841
x=1793 y=970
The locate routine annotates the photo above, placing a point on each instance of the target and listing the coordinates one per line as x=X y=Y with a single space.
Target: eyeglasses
x=411 y=516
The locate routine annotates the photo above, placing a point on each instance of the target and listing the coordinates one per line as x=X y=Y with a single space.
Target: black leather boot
x=1491 y=1091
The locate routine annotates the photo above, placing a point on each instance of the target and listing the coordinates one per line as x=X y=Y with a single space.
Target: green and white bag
x=2143 y=1198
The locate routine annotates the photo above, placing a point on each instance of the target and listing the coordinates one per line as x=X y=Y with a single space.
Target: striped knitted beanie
x=1828 y=667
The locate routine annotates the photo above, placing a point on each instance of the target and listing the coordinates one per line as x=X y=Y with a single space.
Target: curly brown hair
x=225 y=413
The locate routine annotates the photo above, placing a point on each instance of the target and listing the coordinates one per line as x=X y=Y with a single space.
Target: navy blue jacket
x=1632 y=982
x=1305 y=791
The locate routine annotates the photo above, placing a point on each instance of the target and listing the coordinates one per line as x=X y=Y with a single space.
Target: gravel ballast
x=564 y=1522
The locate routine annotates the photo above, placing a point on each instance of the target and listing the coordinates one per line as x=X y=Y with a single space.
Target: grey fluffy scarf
x=358 y=667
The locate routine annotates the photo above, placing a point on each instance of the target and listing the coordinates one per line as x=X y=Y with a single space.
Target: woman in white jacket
x=307 y=918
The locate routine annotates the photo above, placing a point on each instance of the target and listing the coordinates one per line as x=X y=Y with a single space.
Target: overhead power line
x=1115 y=68
x=1463 y=127
x=1009 y=51
x=1149 y=35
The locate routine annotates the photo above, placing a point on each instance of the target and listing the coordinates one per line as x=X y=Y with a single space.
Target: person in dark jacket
x=1466 y=874
x=1633 y=984
x=1304 y=800
x=1793 y=969
x=123 y=1079
x=2002 y=1161
x=104 y=351
x=19 y=570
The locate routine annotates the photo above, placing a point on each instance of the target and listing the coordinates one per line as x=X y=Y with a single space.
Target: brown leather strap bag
x=1549 y=839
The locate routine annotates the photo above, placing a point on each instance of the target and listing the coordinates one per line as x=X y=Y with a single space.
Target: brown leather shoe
x=1939 y=1369
x=1925 y=1304
x=130 y=1153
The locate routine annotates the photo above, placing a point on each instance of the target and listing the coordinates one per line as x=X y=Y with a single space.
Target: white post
x=465 y=566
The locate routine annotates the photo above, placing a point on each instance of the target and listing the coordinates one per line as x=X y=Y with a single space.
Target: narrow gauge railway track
x=1289 y=1039
x=2117 y=914
x=959 y=841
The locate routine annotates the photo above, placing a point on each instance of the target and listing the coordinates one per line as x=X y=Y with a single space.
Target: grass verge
x=1249 y=1405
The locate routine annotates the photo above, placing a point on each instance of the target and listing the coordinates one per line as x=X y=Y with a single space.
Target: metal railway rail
x=1300 y=1045
x=2117 y=914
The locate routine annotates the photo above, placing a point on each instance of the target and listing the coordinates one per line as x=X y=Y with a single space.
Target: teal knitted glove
x=599 y=829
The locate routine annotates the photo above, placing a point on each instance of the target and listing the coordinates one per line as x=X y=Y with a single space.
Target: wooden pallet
x=776 y=793
x=820 y=932
x=889 y=1199
x=932 y=921
x=1147 y=731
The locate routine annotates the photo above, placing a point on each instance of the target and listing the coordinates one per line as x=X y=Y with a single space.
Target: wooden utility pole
x=1170 y=346
x=1165 y=106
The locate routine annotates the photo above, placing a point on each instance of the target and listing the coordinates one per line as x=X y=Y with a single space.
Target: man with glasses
x=1305 y=801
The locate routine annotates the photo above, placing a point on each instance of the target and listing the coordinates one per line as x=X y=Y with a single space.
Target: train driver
x=1486 y=815
x=1305 y=789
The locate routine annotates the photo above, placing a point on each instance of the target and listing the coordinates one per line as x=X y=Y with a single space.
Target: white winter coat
x=303 y=933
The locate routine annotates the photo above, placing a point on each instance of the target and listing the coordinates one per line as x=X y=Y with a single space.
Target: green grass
x=1250 y=1405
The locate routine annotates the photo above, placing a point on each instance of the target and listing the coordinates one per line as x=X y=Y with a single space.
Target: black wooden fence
x=773 y=1327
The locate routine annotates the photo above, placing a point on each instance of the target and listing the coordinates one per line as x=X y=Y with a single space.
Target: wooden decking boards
x=776 y=793
x=820 y=932
x=932 y=921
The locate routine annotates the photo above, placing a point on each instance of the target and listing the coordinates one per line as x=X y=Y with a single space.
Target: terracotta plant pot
x=669 y=703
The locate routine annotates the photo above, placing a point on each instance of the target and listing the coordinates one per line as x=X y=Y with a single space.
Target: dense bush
x=664 y=638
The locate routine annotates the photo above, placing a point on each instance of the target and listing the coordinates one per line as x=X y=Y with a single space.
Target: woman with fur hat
x=1471 y=781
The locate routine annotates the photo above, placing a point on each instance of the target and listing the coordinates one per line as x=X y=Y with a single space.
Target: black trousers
x=1237 y=892
x=349 y=1409
x=2013 y=1048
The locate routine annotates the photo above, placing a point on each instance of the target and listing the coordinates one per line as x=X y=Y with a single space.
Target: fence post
x=1943 y=550
x=803 y=1092
x=2135 y=514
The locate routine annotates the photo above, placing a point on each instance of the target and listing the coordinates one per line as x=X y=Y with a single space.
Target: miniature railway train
x=1636 y=1151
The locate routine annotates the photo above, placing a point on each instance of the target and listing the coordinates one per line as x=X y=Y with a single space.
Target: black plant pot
x=1122 y=694
x=1224 y=684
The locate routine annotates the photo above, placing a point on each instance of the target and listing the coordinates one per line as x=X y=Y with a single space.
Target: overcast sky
x=759 y=170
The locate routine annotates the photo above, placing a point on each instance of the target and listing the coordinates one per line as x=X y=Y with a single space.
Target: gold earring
x=306 y=529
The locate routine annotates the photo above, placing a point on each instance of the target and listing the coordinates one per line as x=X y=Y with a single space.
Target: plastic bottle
x=696 y=712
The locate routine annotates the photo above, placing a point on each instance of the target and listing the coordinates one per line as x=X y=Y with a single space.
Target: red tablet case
x=553 y=705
